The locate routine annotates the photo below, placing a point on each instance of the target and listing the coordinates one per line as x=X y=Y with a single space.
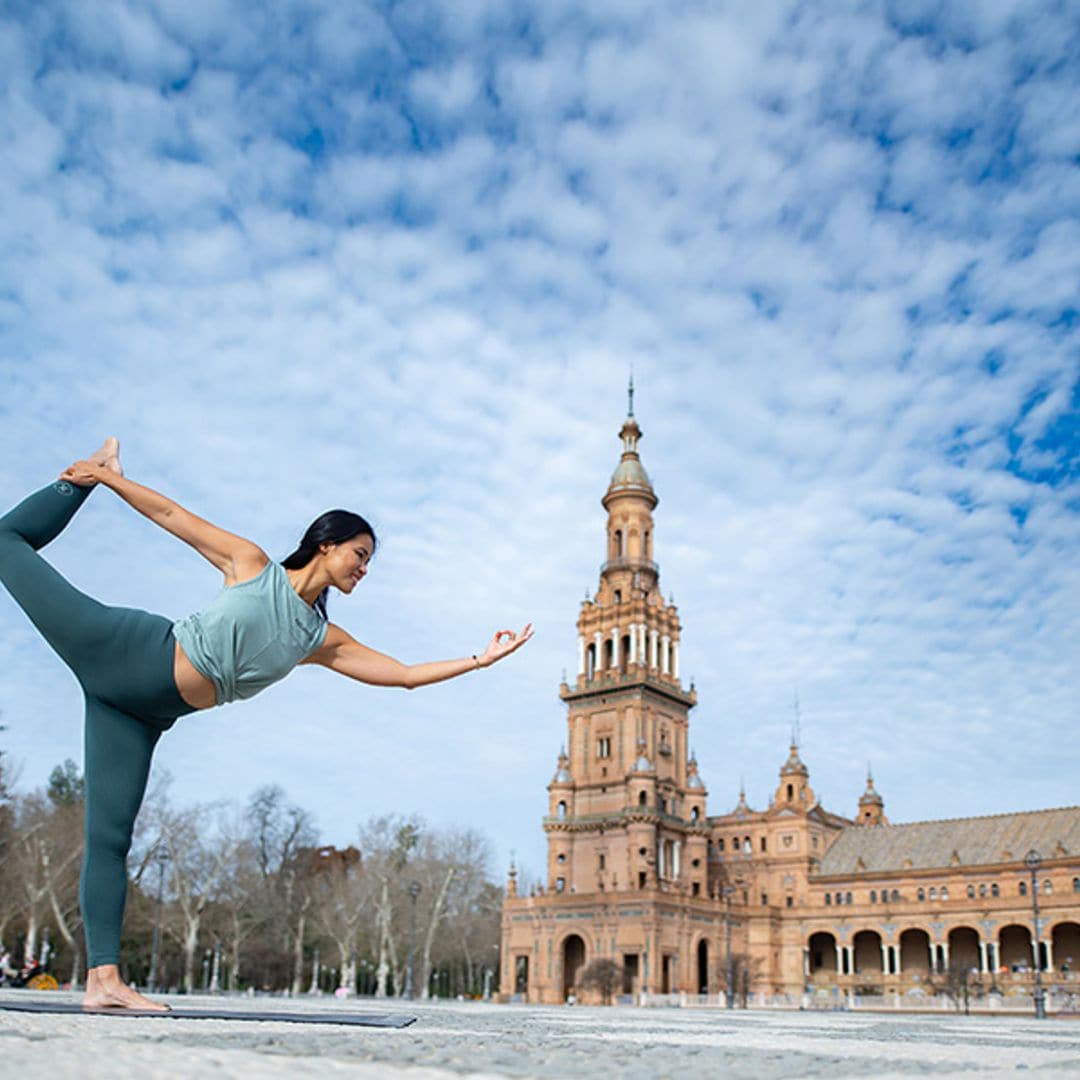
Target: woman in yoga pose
x=140 y=672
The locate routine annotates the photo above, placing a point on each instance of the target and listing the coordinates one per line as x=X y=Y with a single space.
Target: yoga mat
x=390 y=1020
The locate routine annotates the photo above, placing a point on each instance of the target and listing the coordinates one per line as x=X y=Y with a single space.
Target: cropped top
x=251 y=635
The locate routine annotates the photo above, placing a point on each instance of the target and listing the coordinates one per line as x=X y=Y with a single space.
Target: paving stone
x=451 y=1041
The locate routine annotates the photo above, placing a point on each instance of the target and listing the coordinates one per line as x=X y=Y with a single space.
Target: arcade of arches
x=639 y=872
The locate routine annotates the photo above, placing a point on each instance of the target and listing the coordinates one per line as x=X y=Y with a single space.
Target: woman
x=140 y=672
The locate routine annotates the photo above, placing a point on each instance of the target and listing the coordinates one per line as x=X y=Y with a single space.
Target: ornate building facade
x=780 y=902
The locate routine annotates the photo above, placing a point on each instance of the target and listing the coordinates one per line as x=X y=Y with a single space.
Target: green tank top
x=251 y=635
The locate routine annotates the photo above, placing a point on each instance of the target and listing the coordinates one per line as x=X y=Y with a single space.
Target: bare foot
x=106 y=990
x=108 y=455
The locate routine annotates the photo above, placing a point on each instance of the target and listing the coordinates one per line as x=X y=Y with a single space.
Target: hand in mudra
x=503 y=644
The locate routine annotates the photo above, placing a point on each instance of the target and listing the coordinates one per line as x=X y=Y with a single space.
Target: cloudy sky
x=401 y=257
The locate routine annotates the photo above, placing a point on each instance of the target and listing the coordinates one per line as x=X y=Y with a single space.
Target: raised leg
x=59 y=611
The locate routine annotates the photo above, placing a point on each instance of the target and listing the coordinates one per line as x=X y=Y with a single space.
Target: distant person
x=141 y=672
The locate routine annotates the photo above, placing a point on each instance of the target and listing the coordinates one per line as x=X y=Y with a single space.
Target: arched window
x=847 y=898
x=971 y=892
x=1023 y=888
x=642 y=798
x=617 y=547
x=1076 y=884
x=982 y=890
x=720 y=847
x=896 y=896
x=763 y=844
x=694 y=814
x=560 y=810
x=994 y=890
x=828 y=899
x=921 y=894
x=873 y=896
x=790 y=792
x=1047 y=888
x=933 y=892
x=590 y=661
x=945 y=892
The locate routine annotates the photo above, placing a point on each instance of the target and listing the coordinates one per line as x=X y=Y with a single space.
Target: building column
x=806 y=962
x=641 y=643
x=665 y=655
x=1049 y=943
x=654 y=646
x=899 y=960
x=675 y=659
x=839 y=958
x=660 y=858
x=598 y=642
x=884 y=959
x=581 y=654
x=632 y=658
x=984 y=960
x=614 y=648
x=945 y=955
x=933 y=958
x=676 y=864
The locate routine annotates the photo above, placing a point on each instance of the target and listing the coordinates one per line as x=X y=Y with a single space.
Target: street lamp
x=1033 y=860
x=729 y=987
x=414 y=892
x=161 y=856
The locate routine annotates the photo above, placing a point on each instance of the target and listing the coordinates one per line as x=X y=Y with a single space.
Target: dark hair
x=333 y=527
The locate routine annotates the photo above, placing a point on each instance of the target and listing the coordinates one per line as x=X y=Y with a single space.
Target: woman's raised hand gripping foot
x=106 y=990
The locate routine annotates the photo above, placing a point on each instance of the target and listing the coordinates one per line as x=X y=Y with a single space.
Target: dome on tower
x=794 y=765
x=870 y=796
x=871 y=805
x=630 y=477
x=562 y=769
x=693 y=780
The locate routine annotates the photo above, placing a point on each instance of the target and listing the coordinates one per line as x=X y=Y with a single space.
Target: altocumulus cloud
x=402 y=257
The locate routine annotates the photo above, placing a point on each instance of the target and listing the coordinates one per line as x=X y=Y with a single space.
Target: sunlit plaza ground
x=479 y=1040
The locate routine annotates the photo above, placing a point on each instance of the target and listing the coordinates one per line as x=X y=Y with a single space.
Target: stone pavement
x=479 y=1041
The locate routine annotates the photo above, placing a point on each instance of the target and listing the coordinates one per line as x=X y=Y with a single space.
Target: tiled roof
x=933 y=845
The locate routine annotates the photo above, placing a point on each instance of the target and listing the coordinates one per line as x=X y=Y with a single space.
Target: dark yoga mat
x=391 y=1020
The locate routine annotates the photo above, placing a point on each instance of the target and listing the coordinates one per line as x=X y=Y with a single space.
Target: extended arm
x=238 y=559
x=344 y=654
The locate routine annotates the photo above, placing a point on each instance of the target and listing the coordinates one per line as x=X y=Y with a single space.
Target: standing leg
x=118 y=751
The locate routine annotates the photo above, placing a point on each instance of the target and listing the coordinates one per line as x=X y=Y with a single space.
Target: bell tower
x=627 y=808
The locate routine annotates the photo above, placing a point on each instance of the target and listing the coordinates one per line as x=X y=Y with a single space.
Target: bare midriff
x=193 y=686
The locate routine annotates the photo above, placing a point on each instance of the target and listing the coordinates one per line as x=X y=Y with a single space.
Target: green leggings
x=123 y=660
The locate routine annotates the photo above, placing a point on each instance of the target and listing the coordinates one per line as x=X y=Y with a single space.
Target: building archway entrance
x=822 y=949
x=573 y=962
x=703 y=967
x=868 y=960
x=1016 y=952
x=915 y=952
x=1066 y=947
x=964 y=953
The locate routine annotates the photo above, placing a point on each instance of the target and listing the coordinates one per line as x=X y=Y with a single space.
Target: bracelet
x=476 y=659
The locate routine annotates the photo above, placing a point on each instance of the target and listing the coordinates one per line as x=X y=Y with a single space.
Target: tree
x=956 y=984
x=601 y=976
x=66 y=785
x=196 y=868
x=339 y=897
x=279 y=833
x=743 y=972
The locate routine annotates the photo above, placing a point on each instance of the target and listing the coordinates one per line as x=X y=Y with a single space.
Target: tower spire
x=630 y=392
